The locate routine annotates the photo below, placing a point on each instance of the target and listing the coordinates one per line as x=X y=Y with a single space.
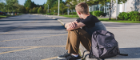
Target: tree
x=53 y=6
x=44 y=11
x=40 y=10
x=29 y=4
x=63 y=8
x=2 y=5
x=51 y=3
x=22 y=9
x=30 y=11
x=10 y=4
x=27 y=9
x=35 y=10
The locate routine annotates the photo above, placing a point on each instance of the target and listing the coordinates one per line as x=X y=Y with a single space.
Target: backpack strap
x=123 y=54
x=84 y=53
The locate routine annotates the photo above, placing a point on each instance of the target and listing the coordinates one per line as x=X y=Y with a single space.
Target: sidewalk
x=127 y=35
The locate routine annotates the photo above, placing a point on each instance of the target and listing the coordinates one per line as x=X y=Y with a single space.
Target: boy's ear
x=78 y=12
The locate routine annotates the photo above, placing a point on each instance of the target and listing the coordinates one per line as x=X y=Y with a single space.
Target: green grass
x=70 y=16
x=114 y=20
x=20 y=14
x=3 y=16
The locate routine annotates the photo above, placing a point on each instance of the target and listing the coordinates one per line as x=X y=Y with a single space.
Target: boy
x=80 y=31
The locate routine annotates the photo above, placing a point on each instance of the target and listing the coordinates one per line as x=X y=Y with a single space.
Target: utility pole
x=99 y=7
x=116 y=9
x=58 y=6
x=110 y=10
x=48 y=8
x=104 y=8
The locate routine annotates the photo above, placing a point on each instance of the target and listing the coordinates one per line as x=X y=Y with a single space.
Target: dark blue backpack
x=104 y=45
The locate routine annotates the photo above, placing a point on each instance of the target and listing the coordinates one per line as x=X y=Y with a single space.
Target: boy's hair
x=82 y=8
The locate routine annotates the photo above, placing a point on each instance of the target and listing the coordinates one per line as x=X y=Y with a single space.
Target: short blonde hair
x=82 y=8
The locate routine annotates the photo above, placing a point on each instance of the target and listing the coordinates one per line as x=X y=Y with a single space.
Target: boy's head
x=82 y=8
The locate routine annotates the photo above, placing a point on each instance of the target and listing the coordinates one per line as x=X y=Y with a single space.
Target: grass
x=104 y=19
x=114 y=20
x=20 y=14
x=4 y=16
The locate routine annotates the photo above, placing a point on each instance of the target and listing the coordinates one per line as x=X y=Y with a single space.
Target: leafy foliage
x=53 y=7
x=30 y=11
x=27 y=9
x=126 y=16
x=134 y=16
x=34 y=10
x=97 y=13
x=29 y=4
x=40 y=10
x=121 y=15
x=131 y=16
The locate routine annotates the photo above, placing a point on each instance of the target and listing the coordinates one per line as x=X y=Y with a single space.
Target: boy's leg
x=74 y=39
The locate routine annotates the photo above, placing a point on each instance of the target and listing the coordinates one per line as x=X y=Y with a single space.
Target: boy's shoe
x=73 y=58
x=64 y=56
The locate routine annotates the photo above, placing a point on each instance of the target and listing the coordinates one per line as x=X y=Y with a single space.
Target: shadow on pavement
x=120 y=24
x=24 y=20
x=6 y=29
x=133 y=53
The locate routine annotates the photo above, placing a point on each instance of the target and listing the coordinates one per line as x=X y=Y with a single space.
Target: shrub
x=134 y=16
x=90 y=13
x=126 y=16
x=97 y=13
x=72 y=13
x=40 y=10
x=51 y=13
x=34 y=10
x=121 y=15
x=30 y=11
x=48 y=13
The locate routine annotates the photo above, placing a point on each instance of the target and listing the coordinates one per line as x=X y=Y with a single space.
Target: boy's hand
x=73 y=24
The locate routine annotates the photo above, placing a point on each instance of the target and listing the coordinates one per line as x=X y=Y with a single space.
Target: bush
x=97 y=13
x=30 y=11
x=51 y=13
x=34 y=10
x=90 y=13
x=40 y=10
x=48 y=13
x=134 y=16
x=121 y=15
x=72 y=13
x=126 y=16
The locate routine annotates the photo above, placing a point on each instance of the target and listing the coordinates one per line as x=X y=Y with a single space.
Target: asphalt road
x=31 y=37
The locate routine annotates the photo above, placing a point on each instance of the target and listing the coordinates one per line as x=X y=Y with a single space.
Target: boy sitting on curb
x=80 y=31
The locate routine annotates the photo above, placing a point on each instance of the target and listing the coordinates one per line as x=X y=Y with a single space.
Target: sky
x=40 y=2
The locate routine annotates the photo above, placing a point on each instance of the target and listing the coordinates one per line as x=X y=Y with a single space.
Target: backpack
x=104 y=45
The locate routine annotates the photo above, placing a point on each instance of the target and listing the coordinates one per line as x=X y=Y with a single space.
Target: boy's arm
x=74 y=25
x=70 y=24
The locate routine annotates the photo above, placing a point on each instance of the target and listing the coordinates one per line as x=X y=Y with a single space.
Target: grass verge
x=114 y=20
x=4 y=16
x=70 y=16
